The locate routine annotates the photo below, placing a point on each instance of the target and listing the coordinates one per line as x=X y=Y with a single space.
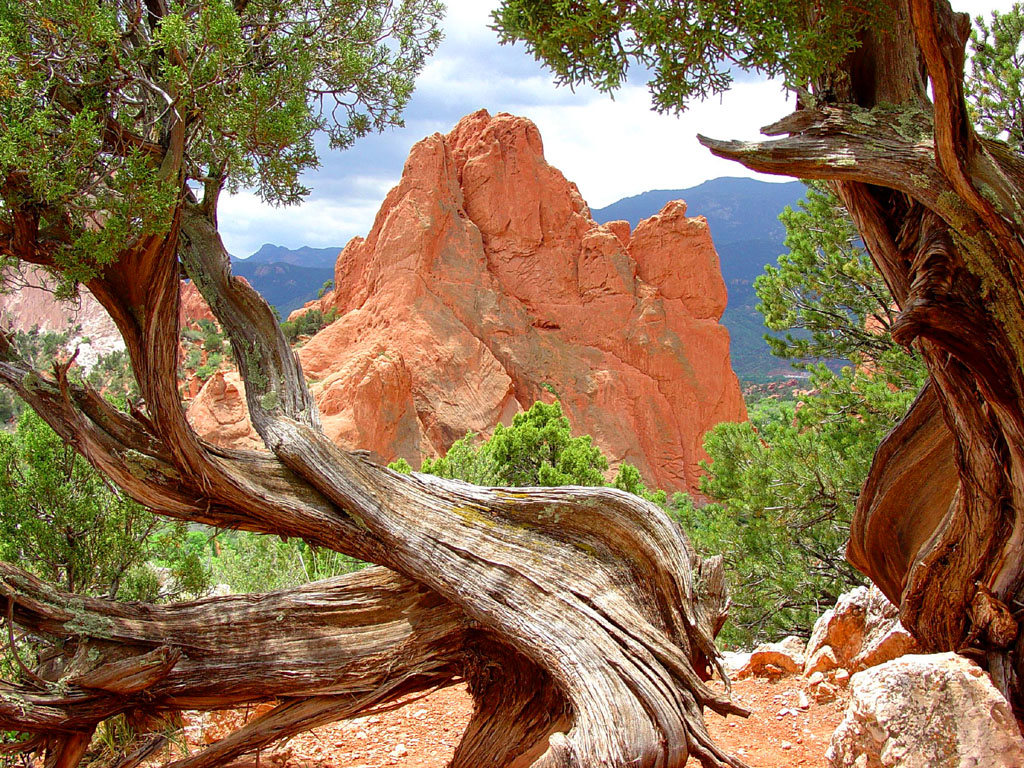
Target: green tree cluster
x=222 y=94
x=537 y=450
x=784 y=486
x=64 y=521
x=249 y=562
x=995 y=80
x=824 y=295
x=308 y=323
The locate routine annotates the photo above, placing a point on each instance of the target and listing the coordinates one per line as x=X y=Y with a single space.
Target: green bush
x=213 y=343
x=193 y=359
x=250 y=562
x=308 y=323
x=538 y=449
x=64 y=522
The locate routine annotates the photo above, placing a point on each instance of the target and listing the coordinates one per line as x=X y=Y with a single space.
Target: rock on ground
x=926 y=711
x=31 y=304
x=774 y=659
x=863 y=630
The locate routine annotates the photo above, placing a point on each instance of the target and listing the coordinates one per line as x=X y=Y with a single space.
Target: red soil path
x=424 y=732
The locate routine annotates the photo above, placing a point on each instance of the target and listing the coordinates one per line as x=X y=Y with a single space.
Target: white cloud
x=246 y=223
x=614 y=149
x=611 y=149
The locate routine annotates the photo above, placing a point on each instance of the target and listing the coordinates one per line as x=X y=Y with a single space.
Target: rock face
x=863 y=630
x=484 y=285
x=938 y=711
x=31 y=304
x=193 y=307
x=218 y=413
x=774 y=659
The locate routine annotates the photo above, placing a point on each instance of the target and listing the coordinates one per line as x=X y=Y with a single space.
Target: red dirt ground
x=424 y=732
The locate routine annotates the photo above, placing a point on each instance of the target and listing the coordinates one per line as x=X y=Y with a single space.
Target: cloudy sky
x=610 y=148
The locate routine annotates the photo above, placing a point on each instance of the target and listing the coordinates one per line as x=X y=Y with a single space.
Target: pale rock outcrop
x=821 y=688
x=775 y=659
x=484 y=285
x=30 y=303
x=218 y=413
x=861 y=631
x=935 y=711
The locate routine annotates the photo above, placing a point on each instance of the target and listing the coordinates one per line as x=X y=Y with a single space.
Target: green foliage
x=401 y=465
x=628 y=479
x=210 y=367
x=251 y=562
x=537 y=450
x=308 y=323
x=825 y=288
x=94 y=96
x=64 y=522
x=213 y=343
x=784 y=485
x=193 y=359
x=994 y=82
x=325 y=288
x=113 y=376
x=688 y=47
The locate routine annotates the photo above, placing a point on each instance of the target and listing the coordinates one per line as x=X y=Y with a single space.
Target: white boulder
x=934 y=711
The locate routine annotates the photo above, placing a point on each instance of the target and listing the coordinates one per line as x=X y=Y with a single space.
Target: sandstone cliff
x=29 y=303
x=485 y=285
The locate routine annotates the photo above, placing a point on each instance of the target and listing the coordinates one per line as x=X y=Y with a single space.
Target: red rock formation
x=485 y=285
x=218 y=413
x=30 y=303
x=193 y=307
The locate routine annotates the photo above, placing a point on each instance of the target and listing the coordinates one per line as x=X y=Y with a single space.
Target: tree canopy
x=122 y=107
x=64 y=522
x=689 y=48
x=883 y=117
x=580 y=617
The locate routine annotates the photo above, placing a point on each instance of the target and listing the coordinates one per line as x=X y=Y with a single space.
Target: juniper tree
x=578 y=617
x=882 y=116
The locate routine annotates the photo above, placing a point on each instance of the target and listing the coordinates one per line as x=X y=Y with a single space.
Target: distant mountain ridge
x=287 y=277
x=299 y=257
x=743 y=216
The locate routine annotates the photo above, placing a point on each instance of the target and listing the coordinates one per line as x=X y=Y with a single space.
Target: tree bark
x=579 y=617
x=940 y=522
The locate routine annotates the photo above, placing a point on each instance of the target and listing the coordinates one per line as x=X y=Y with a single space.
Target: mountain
x=298 y=257
x=743 y=217
x=285 y=286
x=485 y=285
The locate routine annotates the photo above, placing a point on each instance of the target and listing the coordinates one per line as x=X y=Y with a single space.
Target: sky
x=611 y=148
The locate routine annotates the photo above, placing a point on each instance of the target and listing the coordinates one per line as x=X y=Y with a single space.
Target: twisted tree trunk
x=579 y=617
x=940 y=523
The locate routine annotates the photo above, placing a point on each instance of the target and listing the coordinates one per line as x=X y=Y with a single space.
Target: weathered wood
x=940 y=524
x=920 y=475
x=585 y=597
x=333 y=649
